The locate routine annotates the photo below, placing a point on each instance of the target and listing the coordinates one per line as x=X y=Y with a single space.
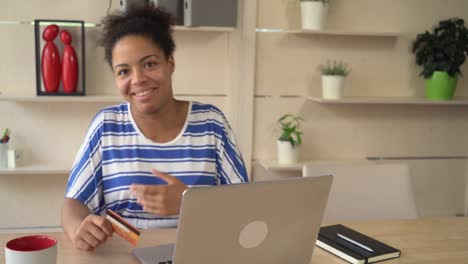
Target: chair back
x=366 y=191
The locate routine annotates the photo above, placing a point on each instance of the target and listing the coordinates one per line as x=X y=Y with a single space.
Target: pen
x=354 y=242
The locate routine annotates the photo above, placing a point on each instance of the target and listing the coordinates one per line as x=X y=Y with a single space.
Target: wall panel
x=381 y=67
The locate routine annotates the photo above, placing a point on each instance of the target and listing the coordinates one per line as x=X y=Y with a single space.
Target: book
x=353 y=246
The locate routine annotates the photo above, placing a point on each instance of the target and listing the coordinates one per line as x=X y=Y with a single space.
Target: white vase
x=332 y=86
x=287 y=154
x=313 y=15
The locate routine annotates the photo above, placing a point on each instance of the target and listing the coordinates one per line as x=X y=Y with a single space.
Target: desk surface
x=421 y=241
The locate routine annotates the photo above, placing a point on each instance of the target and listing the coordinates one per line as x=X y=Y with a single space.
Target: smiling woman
x=140 y=156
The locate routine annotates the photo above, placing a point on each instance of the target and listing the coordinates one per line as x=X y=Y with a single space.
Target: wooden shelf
x=275 y=166
x=96 y=25
x=332 y=32
x=40 y=168
x=88 y=98
x=388 y=100
x=64 y=99
x=206 y=29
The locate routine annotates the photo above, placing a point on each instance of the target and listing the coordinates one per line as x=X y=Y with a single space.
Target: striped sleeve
x=85 y=181
x=231 y=167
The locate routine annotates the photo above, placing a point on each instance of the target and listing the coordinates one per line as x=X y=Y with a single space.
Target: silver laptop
x=254 y=223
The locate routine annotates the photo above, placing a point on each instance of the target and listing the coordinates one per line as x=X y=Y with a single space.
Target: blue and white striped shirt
x=115 y=154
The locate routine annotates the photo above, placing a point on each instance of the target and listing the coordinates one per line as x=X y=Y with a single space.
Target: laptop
x=264 y=222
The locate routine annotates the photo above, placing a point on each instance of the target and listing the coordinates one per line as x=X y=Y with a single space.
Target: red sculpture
x=69 y=64
x=50 y=60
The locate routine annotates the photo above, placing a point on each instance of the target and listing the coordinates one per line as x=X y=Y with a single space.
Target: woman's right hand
x=92 y=232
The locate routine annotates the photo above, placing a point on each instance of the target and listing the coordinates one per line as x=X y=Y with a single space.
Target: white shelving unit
x=388 y=100
x=40 y=168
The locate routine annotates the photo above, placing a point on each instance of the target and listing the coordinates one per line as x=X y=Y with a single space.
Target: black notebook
x=353 y=246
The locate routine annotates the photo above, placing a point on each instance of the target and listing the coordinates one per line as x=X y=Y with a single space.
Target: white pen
x=354 y=242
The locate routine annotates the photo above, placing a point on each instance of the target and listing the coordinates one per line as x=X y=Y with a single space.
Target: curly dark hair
x=151 y=22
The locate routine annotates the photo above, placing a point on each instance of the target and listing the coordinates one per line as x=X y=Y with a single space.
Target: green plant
x=337 y=68
x=445 y=49
x=290 y=129
x=323 y=1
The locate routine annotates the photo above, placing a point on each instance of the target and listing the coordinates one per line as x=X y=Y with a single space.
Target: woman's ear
x=171 y=62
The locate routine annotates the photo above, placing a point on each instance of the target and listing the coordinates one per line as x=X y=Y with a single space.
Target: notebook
x=261 y=222
x=353 y=246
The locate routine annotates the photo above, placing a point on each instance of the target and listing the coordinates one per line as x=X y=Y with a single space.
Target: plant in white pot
x=333 y=78
x=290 y=140
x=314 y=13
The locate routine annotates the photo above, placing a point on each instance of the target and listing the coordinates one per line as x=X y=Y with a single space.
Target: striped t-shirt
x=115 y=154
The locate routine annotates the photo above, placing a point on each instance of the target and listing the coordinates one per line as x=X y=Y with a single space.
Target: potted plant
x=441 y=54
x=314 y=13
x=333 y=76
x=290 y=139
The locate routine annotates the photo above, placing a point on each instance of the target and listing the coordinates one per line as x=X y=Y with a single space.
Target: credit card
x=123 y=228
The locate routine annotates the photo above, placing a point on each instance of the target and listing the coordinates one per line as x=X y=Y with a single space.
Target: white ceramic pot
x=287 y=154
x=313 y=15
x=332 y=86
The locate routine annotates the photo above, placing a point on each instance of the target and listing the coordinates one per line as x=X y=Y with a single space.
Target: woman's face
x=142 y=73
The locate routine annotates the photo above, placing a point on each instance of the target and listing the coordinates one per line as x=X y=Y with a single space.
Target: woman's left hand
x=162 y=200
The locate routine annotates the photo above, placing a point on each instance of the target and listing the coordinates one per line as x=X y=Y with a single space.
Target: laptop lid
x=261 y=222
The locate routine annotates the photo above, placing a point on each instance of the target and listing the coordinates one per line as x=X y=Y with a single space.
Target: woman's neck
x=165 y=124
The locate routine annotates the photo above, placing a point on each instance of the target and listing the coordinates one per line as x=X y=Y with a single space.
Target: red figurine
x=50 y=60
x=69 y=64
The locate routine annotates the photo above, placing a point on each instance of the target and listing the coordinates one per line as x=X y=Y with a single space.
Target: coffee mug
x=37 y=249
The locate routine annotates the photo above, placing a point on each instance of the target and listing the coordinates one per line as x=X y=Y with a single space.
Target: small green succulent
x=337 y=68
x=290 y=129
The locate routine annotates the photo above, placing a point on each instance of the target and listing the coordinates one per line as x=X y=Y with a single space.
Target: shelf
x=64 y=99
x=331 y=32
x=297 y=167
x=95 y=25
x=207 y=29
x=40 y=168
x=86 y=98
x=275 y=166
x=388 y=101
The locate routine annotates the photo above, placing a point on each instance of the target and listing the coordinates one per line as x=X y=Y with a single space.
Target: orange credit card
x=123 y=228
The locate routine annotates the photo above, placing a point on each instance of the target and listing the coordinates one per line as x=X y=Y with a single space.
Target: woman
x=138 y=157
